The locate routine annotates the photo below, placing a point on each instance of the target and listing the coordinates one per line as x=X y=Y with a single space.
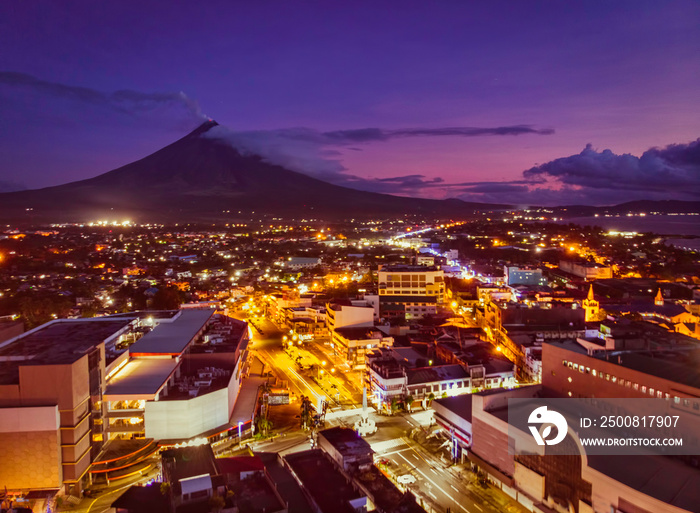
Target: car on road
x=406 y=479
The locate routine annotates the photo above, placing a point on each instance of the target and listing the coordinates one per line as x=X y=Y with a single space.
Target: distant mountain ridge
x=204 y=179
x=201 y=179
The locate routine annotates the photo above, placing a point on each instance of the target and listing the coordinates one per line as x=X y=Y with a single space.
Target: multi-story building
x=71 y=386
x=52 y=381
x=523 y=276
x=354 y=343
x=412 y=280
x=393 y=376
x=593 y=484
x=587 y=270
x=346 y=315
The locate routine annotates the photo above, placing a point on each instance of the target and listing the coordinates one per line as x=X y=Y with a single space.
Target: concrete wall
x=187 y=418
x=30 y=448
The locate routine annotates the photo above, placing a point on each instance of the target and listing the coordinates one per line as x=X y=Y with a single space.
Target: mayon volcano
x=201 y=178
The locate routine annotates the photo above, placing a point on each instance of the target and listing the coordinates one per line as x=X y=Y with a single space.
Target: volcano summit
x=201 y=178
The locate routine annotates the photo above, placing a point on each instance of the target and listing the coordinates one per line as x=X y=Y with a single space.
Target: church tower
x=591 y=306
x=659 y=299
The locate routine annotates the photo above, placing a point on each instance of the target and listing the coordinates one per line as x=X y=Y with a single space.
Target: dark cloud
x=378 y=134
x=408 y=184
x=494 y=188
x=316 y=153
x=124 y=101
x=673 y=171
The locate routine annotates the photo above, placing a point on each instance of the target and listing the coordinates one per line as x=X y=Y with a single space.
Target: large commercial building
x=69 y=387
x=585 y=483
x=51 y=406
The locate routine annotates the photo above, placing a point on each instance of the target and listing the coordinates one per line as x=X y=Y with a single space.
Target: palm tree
x=264 y=425
x=305 y=412
x=408 y=401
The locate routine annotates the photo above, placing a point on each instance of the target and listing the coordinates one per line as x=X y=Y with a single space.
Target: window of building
x=628 y=383
x=696 y=405
x=607 y=377
x=588 y=370
x=570 y=365
x=635 y=386
x=644 y=389
x=594 y=372
x=686 y=402
x=613 y=379
x=651 y=392
x=659 y=395
x=676 y=399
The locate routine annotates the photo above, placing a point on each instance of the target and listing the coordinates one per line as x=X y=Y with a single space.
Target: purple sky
x=526 y=85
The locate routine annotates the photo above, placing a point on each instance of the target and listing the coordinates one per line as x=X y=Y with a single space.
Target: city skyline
x=507 y=103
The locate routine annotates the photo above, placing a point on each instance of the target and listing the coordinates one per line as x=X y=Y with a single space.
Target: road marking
x=455 y=489
x=395 y=452
x=432 y=495
x=416 y=457
x=435 y=471
x=478 y=507
x=465 y=509
x=387 y=444
x=431 y=481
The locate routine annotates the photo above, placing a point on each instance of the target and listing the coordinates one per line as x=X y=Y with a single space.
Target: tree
x=409 y=403
x=263 y=425
x=305 y=412
x=431 y=396
x=167 y=298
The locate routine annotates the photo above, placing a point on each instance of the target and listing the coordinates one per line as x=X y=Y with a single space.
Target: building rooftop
x=345 y=440
x=184 y=462
x=360 y=333
x=140 y=378
x=173 y=337
x=285 y=484
x=328 y=488
x=663 y=478
x=678 y=366
x=55 y=343
x=433 y=374
x=673 y=366
x=142 y=499
x=459 y=405
x=405 y=268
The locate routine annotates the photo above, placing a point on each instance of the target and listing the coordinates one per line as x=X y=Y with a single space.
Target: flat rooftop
x=345 y=440
x=460 y=405
x=172 y=337
x=140 y=378
x=663 y=478
x=332 y=492
x=56 y=343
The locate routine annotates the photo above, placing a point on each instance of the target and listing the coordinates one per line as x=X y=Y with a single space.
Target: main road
x=436 y=482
